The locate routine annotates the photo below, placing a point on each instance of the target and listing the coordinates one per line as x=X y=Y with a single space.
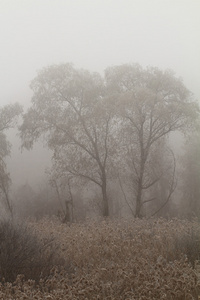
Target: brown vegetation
x=127 y=259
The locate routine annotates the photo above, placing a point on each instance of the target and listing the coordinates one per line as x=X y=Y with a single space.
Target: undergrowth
x=126 y=259
x=24 y=252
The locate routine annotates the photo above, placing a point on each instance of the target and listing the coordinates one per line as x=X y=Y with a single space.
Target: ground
x=116 y=259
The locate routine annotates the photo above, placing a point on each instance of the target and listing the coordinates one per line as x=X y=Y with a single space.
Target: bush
x=21 y=252
x=112 y=259
x=189 y=244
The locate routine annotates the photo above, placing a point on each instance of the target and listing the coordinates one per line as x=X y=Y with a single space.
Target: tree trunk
x=139 y=188
x=7 y=200
x=105 y=196
x=139 y=200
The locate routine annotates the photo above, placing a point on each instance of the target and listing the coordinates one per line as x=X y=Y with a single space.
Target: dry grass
x=127 y=259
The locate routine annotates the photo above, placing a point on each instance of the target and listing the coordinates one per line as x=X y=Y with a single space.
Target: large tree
x=71 y=111
x=152 y=104
x=8 y=119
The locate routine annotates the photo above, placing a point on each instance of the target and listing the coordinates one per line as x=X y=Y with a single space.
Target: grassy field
x=115 y=259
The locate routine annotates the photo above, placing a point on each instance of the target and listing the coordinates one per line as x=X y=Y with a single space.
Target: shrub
x=21 y=252
x=124 y=259
x=189 y=244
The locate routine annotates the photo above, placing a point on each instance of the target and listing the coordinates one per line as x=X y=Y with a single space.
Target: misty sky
x=95 y=34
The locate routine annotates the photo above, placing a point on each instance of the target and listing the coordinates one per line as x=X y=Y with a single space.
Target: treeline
x=111 y=135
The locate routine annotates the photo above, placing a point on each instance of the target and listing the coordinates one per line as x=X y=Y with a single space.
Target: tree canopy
x=152 y=103
x=96 y=125
x=70 y=109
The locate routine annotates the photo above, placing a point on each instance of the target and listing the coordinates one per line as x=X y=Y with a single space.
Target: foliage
x=100 y=127
x=22 y=252
x=69 y=109
x=152 y=103
x=9 y=115
x=126 y=259
x=189 y=244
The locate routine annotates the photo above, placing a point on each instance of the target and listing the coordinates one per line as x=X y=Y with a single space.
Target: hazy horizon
x=92 y=35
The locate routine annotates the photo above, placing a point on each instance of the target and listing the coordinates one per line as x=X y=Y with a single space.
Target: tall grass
x=24 y=252
x=126 y=259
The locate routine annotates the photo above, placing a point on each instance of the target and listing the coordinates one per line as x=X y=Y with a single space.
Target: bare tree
x=8 y=119
x=63 y=188
x=152 y=104
x=70 y=110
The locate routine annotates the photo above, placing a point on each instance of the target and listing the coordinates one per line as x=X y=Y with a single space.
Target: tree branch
x=172 y=187
x=125 y=198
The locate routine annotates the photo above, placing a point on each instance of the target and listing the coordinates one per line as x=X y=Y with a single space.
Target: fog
x=91 y=35
x=95 y=35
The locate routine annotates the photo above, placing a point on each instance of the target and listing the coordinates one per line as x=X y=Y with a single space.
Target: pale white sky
x=92 y=34
x=95 y=34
